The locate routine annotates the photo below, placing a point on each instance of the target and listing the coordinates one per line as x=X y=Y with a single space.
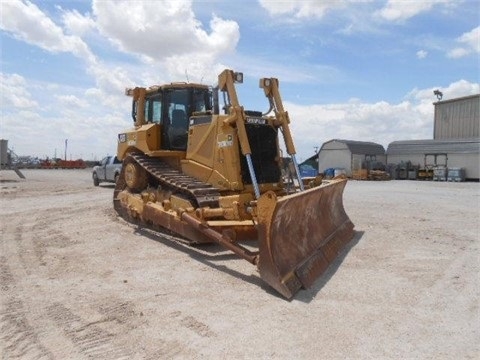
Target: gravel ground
x=77 y=282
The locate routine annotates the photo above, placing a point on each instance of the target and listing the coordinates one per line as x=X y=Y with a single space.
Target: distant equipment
x=6 y=158
x=438 y=94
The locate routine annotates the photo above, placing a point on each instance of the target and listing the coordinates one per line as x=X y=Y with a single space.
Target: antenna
x=203 y=76
x=186 y=75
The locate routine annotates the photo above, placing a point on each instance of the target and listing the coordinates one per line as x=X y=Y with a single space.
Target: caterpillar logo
x=256 y=121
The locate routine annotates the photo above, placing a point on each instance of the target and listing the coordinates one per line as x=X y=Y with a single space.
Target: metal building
x=457 y=118
x=456 y=139
x=350 y=155
x=457 y=153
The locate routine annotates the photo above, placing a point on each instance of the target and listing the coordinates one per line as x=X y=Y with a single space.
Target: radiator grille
x=263 y=143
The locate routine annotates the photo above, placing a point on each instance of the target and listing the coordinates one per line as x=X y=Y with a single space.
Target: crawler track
x=161 y=174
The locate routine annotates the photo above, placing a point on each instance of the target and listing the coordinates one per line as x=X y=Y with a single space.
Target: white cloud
x=304 y=8
x=72 y=101
x=470 y=43
x=163 y=29
x=422 y=54
x=401 y=10
x=14 y=92
x=279 y=7
x=37 y=122
x=457 y=53
x=380 y=122
x=111 y=82
x=454 y=90
x=77 y=23
x=25 y=21
x=393 y=10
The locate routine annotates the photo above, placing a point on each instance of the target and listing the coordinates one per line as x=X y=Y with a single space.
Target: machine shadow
x=107 y=186
x=209 y=254
x=206 y=254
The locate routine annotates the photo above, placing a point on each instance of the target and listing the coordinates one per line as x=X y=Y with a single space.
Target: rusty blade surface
x=300 y=235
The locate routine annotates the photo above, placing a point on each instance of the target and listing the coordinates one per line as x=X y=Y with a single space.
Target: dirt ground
x=77 y=282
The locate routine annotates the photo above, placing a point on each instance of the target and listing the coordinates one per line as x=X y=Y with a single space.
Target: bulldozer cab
x=171 y=106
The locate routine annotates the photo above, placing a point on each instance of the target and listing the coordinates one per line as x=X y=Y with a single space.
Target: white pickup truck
x=107 y=171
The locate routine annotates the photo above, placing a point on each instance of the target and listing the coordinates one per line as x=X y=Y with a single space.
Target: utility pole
x=66 y=141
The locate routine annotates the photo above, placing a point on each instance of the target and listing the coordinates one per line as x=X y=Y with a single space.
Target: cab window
x=153 y=109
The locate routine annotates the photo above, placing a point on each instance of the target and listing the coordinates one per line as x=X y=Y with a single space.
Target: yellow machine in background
x=211 y=177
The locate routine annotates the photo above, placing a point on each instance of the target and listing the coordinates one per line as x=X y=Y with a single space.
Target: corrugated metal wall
x=458 y=146
x=457 y=118
x=467 y=161
x=459 y=153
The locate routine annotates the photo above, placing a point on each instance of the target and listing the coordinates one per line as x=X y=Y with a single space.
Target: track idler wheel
x=135 y=177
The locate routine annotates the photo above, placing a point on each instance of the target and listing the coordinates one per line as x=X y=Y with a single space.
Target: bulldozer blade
x=300 y=235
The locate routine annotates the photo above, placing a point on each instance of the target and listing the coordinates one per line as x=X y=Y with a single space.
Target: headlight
x=238 y=77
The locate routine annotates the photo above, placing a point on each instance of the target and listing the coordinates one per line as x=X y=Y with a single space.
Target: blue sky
x=348 y=69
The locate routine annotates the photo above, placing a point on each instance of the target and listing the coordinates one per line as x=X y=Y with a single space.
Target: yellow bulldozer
x=208 y=176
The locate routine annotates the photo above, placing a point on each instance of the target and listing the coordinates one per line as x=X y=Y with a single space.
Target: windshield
x=189 y=101
x=180 y=104
x=201 y=100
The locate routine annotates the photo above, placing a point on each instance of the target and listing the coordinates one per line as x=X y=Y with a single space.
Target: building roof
x=312 y=160
x=451 y=146
x=360 y=147
x=456 y=99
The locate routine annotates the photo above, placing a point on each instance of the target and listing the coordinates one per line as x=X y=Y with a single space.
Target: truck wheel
x=96 y=182
x=117 y=175
x=135 y=177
